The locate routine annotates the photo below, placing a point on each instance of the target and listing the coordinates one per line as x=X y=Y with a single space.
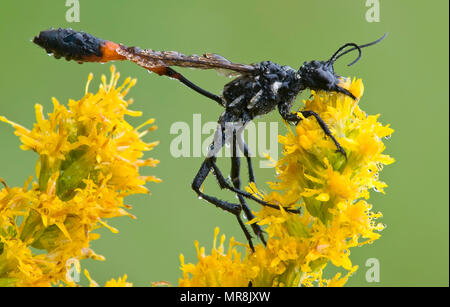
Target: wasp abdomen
x=78 y=46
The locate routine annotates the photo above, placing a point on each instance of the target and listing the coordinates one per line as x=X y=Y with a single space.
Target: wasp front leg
x=286 y=114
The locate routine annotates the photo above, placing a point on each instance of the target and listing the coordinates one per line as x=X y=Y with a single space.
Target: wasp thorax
x=261 y=91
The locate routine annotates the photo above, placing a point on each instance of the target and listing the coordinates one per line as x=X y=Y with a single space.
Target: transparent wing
x=152 y=60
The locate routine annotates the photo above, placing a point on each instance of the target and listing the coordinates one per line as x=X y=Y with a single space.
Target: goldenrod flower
x=218 y=269
x=112 y=283
x=120 y=282
x=89 y=160
x=331 y=191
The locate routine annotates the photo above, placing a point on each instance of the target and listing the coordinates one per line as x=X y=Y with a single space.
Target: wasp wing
x=154 y=60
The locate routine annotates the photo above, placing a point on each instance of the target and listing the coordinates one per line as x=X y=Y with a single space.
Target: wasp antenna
x=359 y=47
x=336 y=55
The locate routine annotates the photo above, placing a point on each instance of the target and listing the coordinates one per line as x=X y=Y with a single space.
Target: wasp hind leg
x=171 y=73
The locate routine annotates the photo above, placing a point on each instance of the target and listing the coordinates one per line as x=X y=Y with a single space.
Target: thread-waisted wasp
x=256 y=90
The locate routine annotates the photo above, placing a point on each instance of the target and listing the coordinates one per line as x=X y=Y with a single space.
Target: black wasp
x=256 y=90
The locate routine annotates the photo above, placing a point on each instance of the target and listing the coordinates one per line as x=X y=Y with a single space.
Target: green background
x=406 y=80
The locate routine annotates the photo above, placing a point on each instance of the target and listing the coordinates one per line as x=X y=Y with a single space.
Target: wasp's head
x=319 y=75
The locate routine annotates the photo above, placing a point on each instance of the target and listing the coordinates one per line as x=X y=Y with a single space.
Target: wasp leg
x=197 y=183
x=294 y=118
x=223 y=183
x=223 y=135
x=170 y=72
x=251 y=175
x=325 y=129
x=235 y=179
x=235 y=209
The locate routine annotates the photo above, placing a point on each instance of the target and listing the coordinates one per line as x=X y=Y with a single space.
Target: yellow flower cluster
x=121 y=282
x=331 y=191
x=89 y=160
x=219 y=269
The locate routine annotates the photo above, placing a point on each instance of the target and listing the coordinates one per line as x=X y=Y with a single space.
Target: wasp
x=257 y=89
